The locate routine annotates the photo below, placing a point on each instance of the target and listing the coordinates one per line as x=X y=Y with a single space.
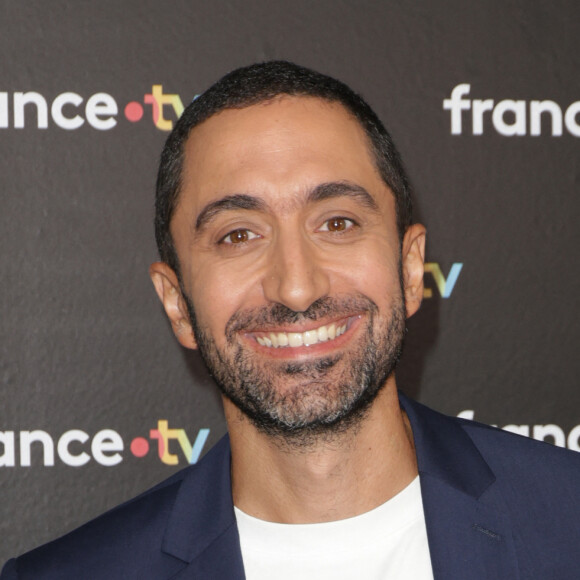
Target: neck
x=331 y=479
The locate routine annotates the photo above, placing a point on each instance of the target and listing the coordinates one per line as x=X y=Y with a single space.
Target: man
x=289 y=259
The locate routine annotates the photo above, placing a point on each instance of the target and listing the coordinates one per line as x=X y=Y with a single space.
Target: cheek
x=380 y=283
x=372 y=271
x=218 y=291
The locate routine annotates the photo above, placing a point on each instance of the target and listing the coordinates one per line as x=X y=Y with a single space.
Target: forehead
x=279 y=148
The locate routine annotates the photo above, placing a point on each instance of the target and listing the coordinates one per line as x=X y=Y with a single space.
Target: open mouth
x=323 y=333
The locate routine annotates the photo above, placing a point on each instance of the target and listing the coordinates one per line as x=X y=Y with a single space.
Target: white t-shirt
x=389 y=542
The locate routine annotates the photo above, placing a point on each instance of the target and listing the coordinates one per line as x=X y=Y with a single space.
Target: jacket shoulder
x=129 y=535
x=123 y=543
x=484 y=461
x=510 y=452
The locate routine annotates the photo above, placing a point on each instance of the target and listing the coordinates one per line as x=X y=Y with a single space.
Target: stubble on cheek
x=299 y=400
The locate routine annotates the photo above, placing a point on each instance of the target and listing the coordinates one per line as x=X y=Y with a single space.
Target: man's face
x=290 y=263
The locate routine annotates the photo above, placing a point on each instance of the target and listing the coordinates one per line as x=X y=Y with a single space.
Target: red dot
x=139 y=447
x=133 y=111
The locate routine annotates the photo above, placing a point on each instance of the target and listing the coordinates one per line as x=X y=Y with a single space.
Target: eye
x=240 y=236
x=337 y=224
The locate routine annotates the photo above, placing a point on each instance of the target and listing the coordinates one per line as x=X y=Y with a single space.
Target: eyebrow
x=230 y=202
x=343 y=189
x=322 y=192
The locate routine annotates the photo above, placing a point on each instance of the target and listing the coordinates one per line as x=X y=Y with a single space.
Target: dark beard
x=321 y=397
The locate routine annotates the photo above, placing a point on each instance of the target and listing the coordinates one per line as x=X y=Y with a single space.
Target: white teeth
x=295 y=339
x=308 y=338
x=332 y=331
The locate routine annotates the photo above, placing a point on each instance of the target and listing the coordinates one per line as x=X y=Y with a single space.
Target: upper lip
x=304 y=327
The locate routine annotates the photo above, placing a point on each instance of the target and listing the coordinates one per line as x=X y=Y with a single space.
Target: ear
x=413 y=261
x=167 y=287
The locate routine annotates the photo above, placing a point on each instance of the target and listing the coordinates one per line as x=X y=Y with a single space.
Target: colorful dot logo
x=21 y=109
x=164 y=435
x=134 y=111
x=139 y=447
x=158 y=100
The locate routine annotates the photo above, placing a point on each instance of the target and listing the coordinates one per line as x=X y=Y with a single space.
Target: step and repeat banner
x=99 y=402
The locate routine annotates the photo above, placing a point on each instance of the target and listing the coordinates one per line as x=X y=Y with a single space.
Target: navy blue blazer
x=497 y=506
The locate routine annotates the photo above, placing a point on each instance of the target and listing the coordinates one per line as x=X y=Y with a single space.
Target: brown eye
x=336 y=224
x=240 y=236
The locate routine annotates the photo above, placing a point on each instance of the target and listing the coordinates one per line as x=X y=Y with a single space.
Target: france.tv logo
x=77 y=448
x=71 y=111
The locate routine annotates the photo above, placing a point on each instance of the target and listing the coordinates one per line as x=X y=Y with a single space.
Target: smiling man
x=288 y=265
x=290 y=260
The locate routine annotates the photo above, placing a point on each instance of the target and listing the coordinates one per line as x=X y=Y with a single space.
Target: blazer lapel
x=202 y=530
x=469 y=538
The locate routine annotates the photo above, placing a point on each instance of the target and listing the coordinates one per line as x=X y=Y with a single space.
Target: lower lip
x=318 y=349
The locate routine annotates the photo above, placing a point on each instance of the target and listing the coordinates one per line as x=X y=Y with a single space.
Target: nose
x=296 y=277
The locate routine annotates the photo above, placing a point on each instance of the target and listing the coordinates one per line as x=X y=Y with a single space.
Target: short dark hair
x=260 y=83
